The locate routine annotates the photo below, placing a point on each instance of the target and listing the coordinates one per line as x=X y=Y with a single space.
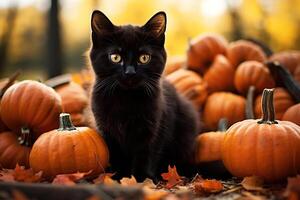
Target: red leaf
x=208 y=186
x=69 y=179
x=26 y=175
x=105 y=178
x=171 y=176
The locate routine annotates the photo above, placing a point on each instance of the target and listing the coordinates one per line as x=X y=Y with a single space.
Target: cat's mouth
x=130 y=83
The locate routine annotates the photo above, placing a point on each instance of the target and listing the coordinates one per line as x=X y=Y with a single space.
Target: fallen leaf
x=105 y=178
x=69 y=179
x=171 y=176
x=148 y=183
x=6 y=175
x=26 y=175
x=128 y=181
x=253 y=183
x=151 y=194
x=18 y=195
x=208 y=186
x=250 y=196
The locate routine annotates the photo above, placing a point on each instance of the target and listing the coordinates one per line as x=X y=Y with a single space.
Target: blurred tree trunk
x=54 y=54
x=236 y=22
x=6 y=36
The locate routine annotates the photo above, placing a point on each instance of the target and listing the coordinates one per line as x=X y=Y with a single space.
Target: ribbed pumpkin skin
x=253 y=73
x=208 y=146
x=11 y=152
x=203 y=50
x=32 y=105
x=293 y=114
x=63 y=152
x=174 y=63
x=190 y=85
x=74 y=101
x=220 y=75
x=241 y=51
x=288 y=59
x=223 y=105
x=269 y=151
x=282 y=101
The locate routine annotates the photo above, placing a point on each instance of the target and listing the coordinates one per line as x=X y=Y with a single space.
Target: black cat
x=146 y=124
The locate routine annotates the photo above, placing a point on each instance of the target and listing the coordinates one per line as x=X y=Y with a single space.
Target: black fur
x=146 y=124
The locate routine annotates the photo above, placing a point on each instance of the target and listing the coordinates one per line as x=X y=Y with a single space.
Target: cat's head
x=128 y=56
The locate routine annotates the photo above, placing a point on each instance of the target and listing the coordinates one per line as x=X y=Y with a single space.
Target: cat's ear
x=156 y=24
x=100 y=23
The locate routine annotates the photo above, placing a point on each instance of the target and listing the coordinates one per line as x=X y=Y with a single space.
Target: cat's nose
x=130 y=70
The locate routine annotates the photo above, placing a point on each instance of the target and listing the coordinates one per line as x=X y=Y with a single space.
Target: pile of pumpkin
x=225 y=81
x=36 y=131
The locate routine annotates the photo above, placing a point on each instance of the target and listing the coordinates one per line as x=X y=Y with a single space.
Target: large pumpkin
x=174 y=63
x=69 y=149
x=203 y=49
x=220 y=75
x=265 y=147
x=288 y=59
x=14 y=151
x=190 y=85
x=223 y=105
x=252 y=73
x=292 y=114
x=32 y=105
x=282 y=101
x=242 y=50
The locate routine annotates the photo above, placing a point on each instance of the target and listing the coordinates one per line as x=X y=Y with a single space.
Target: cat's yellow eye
x=144 y=58
x=115 y=58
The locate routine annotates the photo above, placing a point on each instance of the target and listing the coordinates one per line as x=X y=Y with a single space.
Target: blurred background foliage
x=44 y=38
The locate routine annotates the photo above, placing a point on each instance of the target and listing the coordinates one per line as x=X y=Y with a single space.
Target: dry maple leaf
x=253 y=183
x=69 y=179
x=105 y=178
x=26 y=175
x=171 y=176
x=208 y=186
x=6 y=175
x=128 y=181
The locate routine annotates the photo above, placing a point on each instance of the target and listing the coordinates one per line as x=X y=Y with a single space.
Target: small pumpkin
x=83 y=150
x=190 y=85
x=208 y=144
x=203 y=49
x=13 y=150
x=288 y=59
x=220 y=75
x=282 y=101
x=174 y=63
x=292 y=114
x=32 y=105
x=265 y=147
x=223 y=105
x=242 y=50
x=252 y=73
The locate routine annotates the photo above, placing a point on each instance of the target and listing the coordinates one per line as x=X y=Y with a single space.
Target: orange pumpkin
x=292 y=114
x=220 y=75
x=266 y=147
x=203 y=49
x=208 y=145
x=282 y=101
x=83 y=150
x=223 y=105
x=14 y=151
x=242 y=50
x=288 y=59
x=252 y=73
x=32 y=105
x=190 y=85
x=174 y=63
x=85 y=78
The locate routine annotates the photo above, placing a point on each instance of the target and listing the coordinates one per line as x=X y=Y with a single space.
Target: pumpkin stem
x=25 y=138
x=59 y=81
x=249 y=103
x=65 y=123
x=223 y=124
x=268 y=107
